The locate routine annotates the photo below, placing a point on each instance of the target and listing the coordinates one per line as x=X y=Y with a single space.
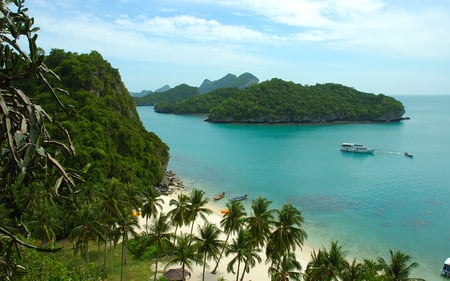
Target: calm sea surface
x=369 y=203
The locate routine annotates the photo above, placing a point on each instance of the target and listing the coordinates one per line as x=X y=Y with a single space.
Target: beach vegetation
x=231 y=223
x=152 y=202
x=209 y=243
x=179 y=214
x=197 y=206
x=243 y=251
x=288 y=268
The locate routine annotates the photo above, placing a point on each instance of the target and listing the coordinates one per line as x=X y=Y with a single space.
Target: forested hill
x=102 y=120
x=278 y=101
x=184 y=92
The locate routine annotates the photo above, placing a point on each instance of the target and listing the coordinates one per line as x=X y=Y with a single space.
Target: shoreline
x=258 y=272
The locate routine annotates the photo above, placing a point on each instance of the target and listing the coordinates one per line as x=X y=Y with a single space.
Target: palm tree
x=209 y=243
x=87 y=226
x=231 y=223
x=327 y=266
x=127 y=225
x=243 y=248
x=353 y=271
x=184 y=253
x=112 y=204
x=288 y=232
x=133 y=196
x=197 y=207
x=370 y=269
x=397 y=269
x=161 y=236
x=259 y=223
x=179 y=214
x=152 y=202
x=288 y=268
x=250 y=254
x=44 y=221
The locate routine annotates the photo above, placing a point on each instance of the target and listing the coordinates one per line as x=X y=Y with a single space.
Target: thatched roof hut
x=176 y=274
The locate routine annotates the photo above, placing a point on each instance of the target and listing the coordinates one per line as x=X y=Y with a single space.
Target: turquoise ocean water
x=369 y=203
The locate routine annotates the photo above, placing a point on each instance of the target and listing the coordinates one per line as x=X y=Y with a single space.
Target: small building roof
x=176 y=274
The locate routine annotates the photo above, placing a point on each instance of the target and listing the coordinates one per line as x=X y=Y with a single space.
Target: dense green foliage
x=278 y=101
x=171 y=96
x=199 y=104
x=102 y=120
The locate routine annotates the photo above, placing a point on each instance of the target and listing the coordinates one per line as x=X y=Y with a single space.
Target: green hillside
x=102 y=120
x=278 y=101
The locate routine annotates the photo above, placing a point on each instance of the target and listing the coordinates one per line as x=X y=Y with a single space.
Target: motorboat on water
x=445 y=271
x=408 y=155
x=219 y=196
x=239 y=198
x=355 y=147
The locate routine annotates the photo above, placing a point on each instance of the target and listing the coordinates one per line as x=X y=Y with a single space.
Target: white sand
x=257 y=273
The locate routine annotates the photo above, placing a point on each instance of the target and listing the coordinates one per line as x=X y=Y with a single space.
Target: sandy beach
x=259 y=272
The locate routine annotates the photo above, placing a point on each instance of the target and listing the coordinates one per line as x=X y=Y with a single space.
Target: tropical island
x=79 y=178
x=278 y=101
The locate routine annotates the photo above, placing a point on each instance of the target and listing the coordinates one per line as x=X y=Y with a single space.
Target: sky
x=392 y=47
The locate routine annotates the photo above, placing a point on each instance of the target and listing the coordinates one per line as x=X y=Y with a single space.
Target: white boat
x=355 y=147
x=446 y=268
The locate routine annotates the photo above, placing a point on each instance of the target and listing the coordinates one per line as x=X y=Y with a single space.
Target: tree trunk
x=243 y=272
x=123 y=257
x=221 y=253
x=237 y=272
x=204 y=266
x=156 y=260
x=87 y=251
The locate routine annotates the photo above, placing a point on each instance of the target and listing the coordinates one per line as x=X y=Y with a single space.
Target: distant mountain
x=181 y=92
x=141 y=93
x=245 y=80
x=164 y=88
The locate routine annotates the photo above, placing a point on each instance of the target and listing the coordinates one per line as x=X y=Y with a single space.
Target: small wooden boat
x=219 y=196
x=408 y=155
x=239 y=198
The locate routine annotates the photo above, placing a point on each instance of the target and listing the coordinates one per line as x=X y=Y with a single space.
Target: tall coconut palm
x=44 y=221
x=179 y=214
x=87 y=226
x=112 y=204
x=209 y=243
x=242 y=247
x=127 y=225
x=398 y=267
x=152 y=202
x=132 y=195
x=288 y=232
x=353 y=271
x=185 y=253
x=288 y=268
x=250 y=254
x=327 y=265
x=260 y=222
x=370 y=269
x=196 y=205
x=161 y=236
x=231 y=223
